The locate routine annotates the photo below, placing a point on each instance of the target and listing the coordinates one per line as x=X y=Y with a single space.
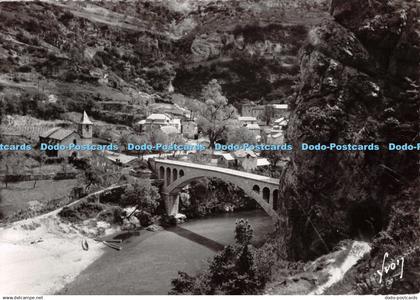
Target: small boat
x=112 y=245
x=85 y=245
x=117 y=241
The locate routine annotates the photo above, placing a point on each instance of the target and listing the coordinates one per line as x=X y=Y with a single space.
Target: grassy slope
x=22 y=195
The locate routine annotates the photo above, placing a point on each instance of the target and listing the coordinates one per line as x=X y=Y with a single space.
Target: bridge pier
x=171 y=203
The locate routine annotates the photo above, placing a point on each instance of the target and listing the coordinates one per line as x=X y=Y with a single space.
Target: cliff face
x=359 y=84
x=252 y=44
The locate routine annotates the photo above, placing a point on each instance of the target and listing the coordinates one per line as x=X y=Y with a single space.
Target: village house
x=280 y=110
x=247 y=120
x=251 y=123
x=276 y=134
x=157 y=121
x=225 y=160
x=260 y=111
x=169 y=125
x=247 y=159
x=255 y=129
x=275 y=138
x=62 y=136
x=189 y=129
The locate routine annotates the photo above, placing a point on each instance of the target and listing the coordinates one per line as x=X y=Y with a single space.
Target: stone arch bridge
x=177 y=174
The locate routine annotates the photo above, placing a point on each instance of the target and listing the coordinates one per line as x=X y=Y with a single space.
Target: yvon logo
x=395 y=268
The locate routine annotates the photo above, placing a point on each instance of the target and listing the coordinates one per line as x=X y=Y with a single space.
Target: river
x=148 y=262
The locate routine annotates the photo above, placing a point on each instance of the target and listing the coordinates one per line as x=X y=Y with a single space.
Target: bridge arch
x=168 y=176
x=266 y=194
x=174 y=174
x=256 y=188
x=262 y=192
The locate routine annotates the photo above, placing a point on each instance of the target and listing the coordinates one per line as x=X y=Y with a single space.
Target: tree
x=91 y=177
x=176 y=138
x=241 y=135
x=243 y=232
x=158 y=137
x=231 y=272
x=216 y=116
x=143 y=195
x=139 y=140
x=13 y=164
x=99 y=173
x=125 y=139
x=41 y=157
x=273 y=157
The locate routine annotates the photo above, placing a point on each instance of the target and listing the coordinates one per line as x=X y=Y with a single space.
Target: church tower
x=85 y=128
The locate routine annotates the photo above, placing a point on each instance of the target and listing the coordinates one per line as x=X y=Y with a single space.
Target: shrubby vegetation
x=112 y=215
x=142 y=195
x=82 y=211
x=36 y=105
x=233 y=271
x=211 y=196
x=216 y=115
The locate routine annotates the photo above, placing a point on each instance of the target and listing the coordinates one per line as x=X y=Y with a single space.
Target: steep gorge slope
x=251 y=47
x=359 y=84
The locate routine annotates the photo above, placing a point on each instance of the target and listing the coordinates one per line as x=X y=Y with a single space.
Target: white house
x=246 y=158
x=247 y=120
x=276 y=134
x=256 y=129
x=157 y=121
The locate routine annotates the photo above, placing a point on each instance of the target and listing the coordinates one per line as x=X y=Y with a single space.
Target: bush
x=168 y=221
x=112 y=215
x=183 y=284
x=24 y=69
x=82 y=211
x=145 y=218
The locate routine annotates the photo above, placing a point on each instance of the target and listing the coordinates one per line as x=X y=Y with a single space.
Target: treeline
x=39 y=106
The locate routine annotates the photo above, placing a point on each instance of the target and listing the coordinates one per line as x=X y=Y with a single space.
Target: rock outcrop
x=359 y=84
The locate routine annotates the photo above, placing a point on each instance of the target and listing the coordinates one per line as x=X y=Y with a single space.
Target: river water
x=148 y=262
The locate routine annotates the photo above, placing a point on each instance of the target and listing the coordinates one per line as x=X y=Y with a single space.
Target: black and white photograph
x=209 y=147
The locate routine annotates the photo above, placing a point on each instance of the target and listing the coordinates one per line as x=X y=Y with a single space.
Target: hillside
x=89 y=53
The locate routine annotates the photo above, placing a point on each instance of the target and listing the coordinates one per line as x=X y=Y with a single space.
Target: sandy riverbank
x=41 y=255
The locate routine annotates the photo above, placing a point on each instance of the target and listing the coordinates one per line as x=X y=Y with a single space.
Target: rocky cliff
x=359 y=84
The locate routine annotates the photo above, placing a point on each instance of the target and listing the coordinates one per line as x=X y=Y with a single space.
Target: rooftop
x=57 y=133
x=244 y=153
x=85 y=119
x=247 y=119
x=280 y=106
x=227 y=156
x=158 y=117
x=119 y=157
x=253 y=126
